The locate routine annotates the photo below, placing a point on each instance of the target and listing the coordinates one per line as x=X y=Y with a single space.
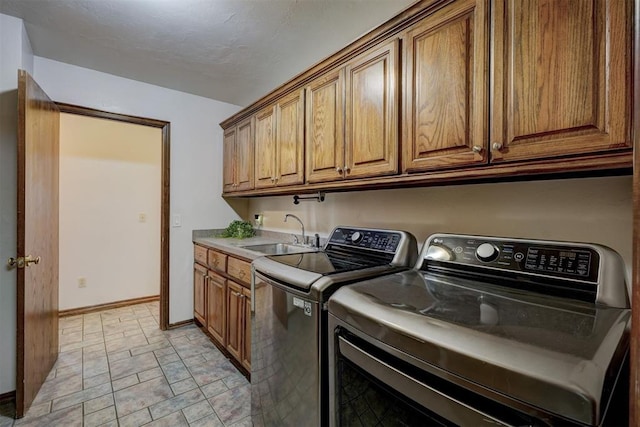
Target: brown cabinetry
x=216 y=306
x=238 y=157
x=445 y=88
x=371 y=117
x=239 y=323
x=489 y=89
x=280 y=143
x=199 y=293
x=324 y=134
x=560 y=78
x=222 y=300
x=352 y=116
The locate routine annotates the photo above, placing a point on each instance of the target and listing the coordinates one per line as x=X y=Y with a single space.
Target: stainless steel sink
x=277 y=248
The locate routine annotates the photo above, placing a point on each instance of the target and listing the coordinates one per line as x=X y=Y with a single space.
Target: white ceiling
x=230 y=50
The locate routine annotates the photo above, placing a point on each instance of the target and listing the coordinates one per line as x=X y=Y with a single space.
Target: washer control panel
x=562 y=260
x=380 y=240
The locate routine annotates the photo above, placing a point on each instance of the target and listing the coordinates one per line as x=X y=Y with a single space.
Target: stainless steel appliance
x=484 y=331
x=289 y=319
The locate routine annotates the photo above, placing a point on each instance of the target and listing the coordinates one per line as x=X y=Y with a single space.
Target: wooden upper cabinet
x=445 y=88
x=229 y=160
x=244 y=155
x=238 y=167
x=324 y=134
x=280 y=143
x=289 y=156
x=371 y=116
x=265 y=148
x=560 y=78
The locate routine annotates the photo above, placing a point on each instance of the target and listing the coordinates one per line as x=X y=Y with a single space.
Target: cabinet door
x=244 y=155
x=246 y=335
x=290 y=139
x=265 y=148
x=199 y=293
x=228 y=159
x=371 y=120
x=445 y=60
x=235 y=312
x=216 y=304
x=324 y=131
x=560 y=78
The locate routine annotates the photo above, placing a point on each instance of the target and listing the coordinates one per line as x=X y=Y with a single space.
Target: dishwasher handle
x=446 y=406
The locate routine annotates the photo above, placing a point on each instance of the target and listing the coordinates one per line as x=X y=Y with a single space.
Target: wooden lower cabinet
x=199 y=293
x=222 y=300
x=246 y=345
x=239 y=323
x=216 y=307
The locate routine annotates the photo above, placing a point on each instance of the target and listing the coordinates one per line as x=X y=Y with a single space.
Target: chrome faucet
x=304 y=239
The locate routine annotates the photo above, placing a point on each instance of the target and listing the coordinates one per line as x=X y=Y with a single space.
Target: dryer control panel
x=555 y=259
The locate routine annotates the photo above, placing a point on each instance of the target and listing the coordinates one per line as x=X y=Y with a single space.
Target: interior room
x=282 y=212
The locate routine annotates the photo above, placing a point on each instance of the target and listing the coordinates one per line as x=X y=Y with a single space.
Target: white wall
x=597 y=210
x=196 y=154
x=15 y=53
x=110 y=174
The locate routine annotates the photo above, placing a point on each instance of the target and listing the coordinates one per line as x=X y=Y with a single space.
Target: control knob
x=356 y=237
x=487 y=252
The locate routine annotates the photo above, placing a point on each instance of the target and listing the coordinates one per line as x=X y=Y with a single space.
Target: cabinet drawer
x=200 y=254
x=217 y=260
x=239 y=269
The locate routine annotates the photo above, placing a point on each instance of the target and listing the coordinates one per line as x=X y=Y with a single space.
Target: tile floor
x=116 y=368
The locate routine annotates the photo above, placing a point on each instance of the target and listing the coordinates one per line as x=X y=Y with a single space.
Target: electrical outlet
x=82 y=282
x=142 y=217
x=258 y=219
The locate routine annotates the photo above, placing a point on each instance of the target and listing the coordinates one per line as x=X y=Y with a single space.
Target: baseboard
x=180 y=324
x=107 y=306
x=8 y=397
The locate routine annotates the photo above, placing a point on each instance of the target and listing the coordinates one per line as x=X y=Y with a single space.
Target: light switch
x=142 y=217
x=177 y=220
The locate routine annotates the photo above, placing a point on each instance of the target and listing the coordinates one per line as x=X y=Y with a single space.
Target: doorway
x=144 y=219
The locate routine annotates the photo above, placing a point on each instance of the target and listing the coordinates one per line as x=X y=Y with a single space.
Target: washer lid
x=558 y=355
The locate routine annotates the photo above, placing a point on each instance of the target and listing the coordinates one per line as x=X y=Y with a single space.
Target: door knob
x=22 y=262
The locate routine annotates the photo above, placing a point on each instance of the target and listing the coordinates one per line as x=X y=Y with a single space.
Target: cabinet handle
x=477 y=149
x=497 y=146
x=237 y=294
x=339 y=169
x=273 y=179
x=347 y=169
x=241 y=273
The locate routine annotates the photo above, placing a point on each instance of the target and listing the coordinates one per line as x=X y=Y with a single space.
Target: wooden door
x=244 y=155
x=265 y=148
x=37 y=282
x=290 y=139
x=445 y=63
x=246 y=333
x=228 y=159
x=371 y=119
x=324 y=131
x=234 y=319
x=560 y=78
x=200 y=280
x=216 y=303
